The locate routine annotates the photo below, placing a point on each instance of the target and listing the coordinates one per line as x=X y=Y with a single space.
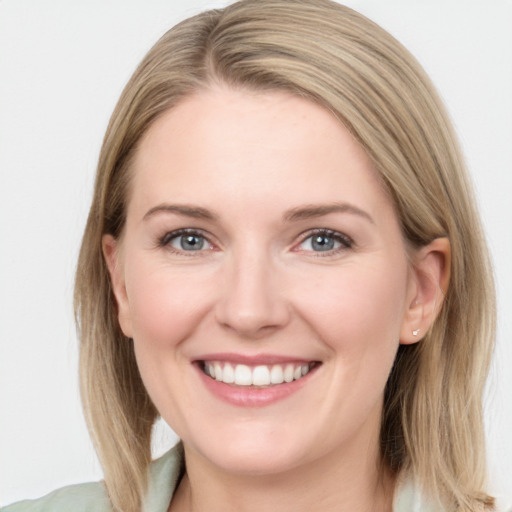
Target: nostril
x=252 y=318
x=250 y=328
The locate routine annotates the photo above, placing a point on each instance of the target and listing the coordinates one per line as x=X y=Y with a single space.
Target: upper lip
x=253 y=360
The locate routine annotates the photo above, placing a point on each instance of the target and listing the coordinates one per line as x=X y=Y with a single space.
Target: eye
x=326 y=241
x=188 y=242
x=185 y=240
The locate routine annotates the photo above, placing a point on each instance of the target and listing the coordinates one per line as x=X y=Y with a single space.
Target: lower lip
x=249 y=396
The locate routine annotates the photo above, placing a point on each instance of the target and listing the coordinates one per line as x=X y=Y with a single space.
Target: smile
x=260 y=375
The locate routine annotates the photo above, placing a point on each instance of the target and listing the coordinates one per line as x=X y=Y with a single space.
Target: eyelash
x=165 y=240
x=345 y=241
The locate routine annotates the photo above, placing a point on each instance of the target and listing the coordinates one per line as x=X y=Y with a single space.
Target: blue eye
x=188 y=242
x=185 y=240
x=325 y=241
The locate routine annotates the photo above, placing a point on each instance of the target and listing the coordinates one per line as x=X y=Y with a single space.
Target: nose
x=252 y=302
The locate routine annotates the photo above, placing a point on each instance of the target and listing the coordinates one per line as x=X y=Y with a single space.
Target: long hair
x=432 y=423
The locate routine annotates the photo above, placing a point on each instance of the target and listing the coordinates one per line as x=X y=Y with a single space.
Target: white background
x=63 y=64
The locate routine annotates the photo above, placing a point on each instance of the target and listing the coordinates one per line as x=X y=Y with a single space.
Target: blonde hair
x=432 y=424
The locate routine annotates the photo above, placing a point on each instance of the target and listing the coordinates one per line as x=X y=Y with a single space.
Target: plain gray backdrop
x=63 y=64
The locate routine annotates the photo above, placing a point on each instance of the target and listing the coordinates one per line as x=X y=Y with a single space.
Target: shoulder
x=90 y=497
x=164 y=476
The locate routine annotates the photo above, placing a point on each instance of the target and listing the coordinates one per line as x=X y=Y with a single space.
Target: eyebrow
x=311 y=211
x=195 y=212
x=305 y=212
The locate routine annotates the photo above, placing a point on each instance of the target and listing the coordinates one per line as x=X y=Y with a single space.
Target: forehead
x=239 y=146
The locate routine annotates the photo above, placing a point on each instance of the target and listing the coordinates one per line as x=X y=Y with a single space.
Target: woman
x=280 y=260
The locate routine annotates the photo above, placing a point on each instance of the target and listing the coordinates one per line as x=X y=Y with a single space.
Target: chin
x=255 y=461
x=250 y=454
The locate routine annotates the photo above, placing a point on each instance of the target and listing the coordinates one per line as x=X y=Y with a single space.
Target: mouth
x=257 y=376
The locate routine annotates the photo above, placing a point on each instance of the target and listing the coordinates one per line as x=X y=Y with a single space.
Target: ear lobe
x=431 y=277
x=111 y=253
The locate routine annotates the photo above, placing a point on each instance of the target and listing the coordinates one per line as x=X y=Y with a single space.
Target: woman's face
x=261 y=248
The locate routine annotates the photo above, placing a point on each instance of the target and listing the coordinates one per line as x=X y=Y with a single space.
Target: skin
x=258 y=287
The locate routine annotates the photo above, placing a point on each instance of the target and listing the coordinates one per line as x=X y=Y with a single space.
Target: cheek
x=357 y=308
x=165 y=306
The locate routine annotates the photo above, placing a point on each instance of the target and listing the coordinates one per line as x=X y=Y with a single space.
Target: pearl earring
x=415 y=332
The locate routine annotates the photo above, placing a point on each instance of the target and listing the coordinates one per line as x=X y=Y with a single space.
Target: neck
x=331 y=483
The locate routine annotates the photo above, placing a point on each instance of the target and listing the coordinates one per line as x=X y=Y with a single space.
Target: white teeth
x=229 y=374
x=243 y=375
x=288 y=373
x=276 y=374
x=261 y=375
x=218 y=371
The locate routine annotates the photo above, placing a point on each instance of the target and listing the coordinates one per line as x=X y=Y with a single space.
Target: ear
x=112 y=254
x=429 y=280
